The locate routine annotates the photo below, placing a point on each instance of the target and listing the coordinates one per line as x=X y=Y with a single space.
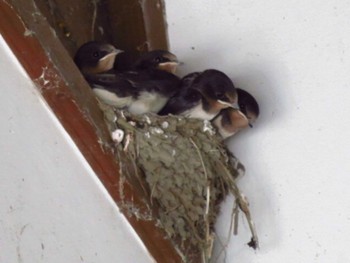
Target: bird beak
x=169 y=66
x=235 y=106
x=112 y=54
x=118 y=51
x=106 y=63
x=229 y=105
x=243 y=115
x=245 y=119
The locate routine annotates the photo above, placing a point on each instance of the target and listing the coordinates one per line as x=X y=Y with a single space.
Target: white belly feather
x=146 y=102
x=112 y=99
x=198 y=113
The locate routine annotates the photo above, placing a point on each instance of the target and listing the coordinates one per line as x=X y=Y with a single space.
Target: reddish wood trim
x=74 y=105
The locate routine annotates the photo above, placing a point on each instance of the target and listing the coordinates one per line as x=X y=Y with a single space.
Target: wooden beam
x=48 y=63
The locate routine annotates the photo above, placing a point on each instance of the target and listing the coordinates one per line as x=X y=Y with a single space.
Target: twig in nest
x=243 y=205
x=223 y=250
x=200 y=157
x=208 y=237
x=127 y=142
x=208 y=200
x=233 y=227
x=235 y=214
x=210 y=244
x=121 y=182
x=94 y=16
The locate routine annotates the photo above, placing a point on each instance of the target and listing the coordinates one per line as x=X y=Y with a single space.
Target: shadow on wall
x=269 y=92
x=268 y=87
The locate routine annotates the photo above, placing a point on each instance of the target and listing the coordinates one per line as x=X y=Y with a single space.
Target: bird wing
x=157 y=81
x=131 y=83
x=183 y=101
x=115 y=83
x=186 y=81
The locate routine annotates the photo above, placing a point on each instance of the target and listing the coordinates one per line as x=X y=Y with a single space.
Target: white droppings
x=28 y=33
x=207 y=127
x=118 y=135
x=148 y=135
x=156 y=130
x=48 y=78
x=147 y=119
x=42 y=76
x=100 y=28
x=165 y=125
x=173 y=153
x=132 y=123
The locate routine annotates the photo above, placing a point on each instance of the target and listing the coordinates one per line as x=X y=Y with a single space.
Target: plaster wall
x=52 y=206
x=294 y=57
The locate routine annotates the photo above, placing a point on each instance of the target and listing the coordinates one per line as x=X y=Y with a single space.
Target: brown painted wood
x=128 y=32
x=76 y=22
x=44 y=58
x=137 y=24
x=155 y=24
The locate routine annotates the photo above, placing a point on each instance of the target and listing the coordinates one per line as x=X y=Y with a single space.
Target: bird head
x=96 y=57
x=231 y=121
x=248 y=106
x=158 y=59
x=217 y=89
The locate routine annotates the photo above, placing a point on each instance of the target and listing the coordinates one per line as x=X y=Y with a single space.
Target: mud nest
x=184 y=171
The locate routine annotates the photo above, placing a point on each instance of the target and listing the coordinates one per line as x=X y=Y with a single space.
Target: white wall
x=294 y=56
x=52 y=206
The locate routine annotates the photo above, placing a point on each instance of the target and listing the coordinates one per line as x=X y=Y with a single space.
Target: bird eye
x=96 y=54
x=242 y=108
x=158 y=59
x=221 y=96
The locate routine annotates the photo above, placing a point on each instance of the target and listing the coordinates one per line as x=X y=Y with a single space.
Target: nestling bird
x=137 y=91
x=145 y=88
x=202 y=95
x=157 y=59
x=96 y=57
x=230 y=121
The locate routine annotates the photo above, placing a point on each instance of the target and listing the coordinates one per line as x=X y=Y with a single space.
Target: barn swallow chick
x=96 y=57
x=125 y=61
x=137 y=91
x=230 y=121
x=202 y=95
x=157 y=59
